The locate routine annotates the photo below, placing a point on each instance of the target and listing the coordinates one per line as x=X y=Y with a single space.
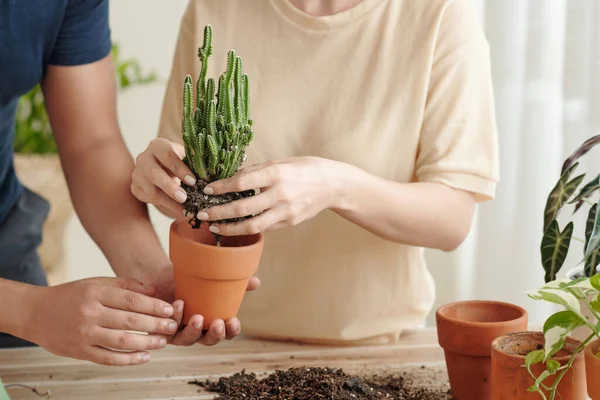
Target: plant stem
x=554 y=386
x=578 y=239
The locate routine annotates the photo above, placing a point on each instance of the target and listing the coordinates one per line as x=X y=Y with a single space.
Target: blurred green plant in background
x=33 y=131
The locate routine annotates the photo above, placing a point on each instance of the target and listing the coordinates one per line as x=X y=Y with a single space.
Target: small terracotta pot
x=510 y=379
x=592 y=369
x=465 y=332
x=211 y=280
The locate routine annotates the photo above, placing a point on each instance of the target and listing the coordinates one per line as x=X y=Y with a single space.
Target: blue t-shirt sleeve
x=84 y=36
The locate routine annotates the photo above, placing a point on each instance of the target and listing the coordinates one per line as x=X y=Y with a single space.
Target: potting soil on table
x=307 y=383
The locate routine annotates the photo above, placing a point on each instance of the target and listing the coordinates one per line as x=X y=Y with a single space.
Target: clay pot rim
x=190 y=242
x=441 y=309
x=531 y=333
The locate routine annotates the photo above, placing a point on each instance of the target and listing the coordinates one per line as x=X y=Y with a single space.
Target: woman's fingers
x=159 y=178
x=240 y=208
x=215 y=333
x=170 y=155
x=232 y=328
x=191 y=333
x=250 y=226
x=253 y=283
x=245 y=181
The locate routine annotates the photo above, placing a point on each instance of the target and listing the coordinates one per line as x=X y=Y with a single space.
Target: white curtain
x=546 y=72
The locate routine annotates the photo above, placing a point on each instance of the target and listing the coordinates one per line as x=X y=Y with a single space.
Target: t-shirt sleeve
x=84 y=36
x=458 y=145
x=185 y=62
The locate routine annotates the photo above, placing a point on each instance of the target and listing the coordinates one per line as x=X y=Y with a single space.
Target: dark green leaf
x=587 y=191
x=593 y=235
x=534 y=357
x=594 y=259
x=552 y=366
x=561 y=193
x=580 y=152
x=554 y=248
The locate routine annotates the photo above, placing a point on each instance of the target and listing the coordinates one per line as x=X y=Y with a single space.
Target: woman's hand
x=292 y=191
x=192 y=332
x=158 y=171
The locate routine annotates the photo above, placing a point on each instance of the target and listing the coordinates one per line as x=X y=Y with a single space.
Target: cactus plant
x=216 y=129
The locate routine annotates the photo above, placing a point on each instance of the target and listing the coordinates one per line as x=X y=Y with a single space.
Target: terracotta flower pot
x=510 y=380
x=592 y=369
x=211 y=280
x=465 y=332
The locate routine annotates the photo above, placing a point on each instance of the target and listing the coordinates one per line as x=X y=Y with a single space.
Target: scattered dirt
x=319 y=383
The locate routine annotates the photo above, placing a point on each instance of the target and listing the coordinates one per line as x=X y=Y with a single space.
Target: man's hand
x=87 y=319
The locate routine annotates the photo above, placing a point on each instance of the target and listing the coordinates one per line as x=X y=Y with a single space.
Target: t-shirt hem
x=484 y=189
x=82 y=58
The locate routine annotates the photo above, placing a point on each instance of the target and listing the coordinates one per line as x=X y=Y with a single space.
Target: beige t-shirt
x=399 y=88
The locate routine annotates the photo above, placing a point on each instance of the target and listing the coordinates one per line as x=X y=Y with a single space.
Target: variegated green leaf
x=557 y=327
x=554 y=248
x=592 y=247
x=561 y=193
x=557 y=296
x=552 y=366
x=534 y=357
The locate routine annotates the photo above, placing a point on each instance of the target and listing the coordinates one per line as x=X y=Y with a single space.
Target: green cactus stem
x=216 y=128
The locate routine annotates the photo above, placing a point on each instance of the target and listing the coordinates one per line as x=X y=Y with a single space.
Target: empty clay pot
x=465 y=332
x=211 y=280
x=510 y=379
x=592 y=369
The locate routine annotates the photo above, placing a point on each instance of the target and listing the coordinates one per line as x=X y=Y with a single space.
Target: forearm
x=113 y=217
x=14 y=302
x=423 y=214
x=82 y=109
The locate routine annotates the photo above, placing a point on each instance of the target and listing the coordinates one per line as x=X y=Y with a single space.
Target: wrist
x=18 y=308
x=345 y=186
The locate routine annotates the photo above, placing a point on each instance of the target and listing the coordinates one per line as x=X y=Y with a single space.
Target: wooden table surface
x=167 y=374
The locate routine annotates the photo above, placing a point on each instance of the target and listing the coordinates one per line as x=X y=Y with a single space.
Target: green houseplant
x=579 y=296
x=216 y=129
x=37 y=164
x=211 y=273
x=556 y=242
